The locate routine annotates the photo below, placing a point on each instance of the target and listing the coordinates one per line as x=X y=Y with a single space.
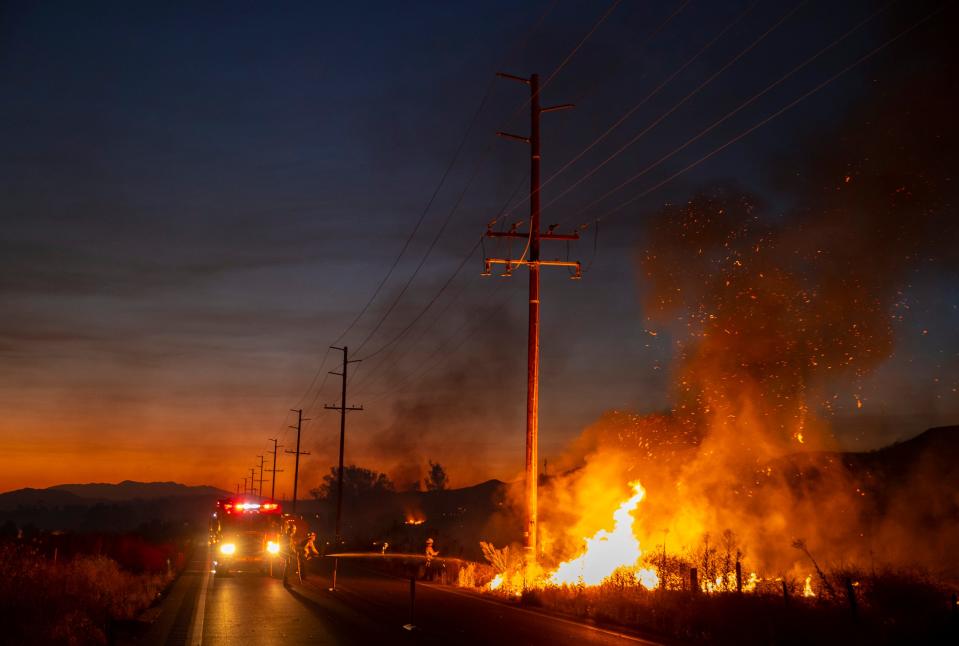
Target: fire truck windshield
x=249 y=522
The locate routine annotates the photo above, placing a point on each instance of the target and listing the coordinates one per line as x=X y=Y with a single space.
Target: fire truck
x=246 y=536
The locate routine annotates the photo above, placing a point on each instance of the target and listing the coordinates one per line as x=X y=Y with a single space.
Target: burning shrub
x=508 y=566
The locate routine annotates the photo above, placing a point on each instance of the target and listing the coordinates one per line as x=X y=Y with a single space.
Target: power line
x=474 y=174
x=446 y=349
x=649 y=36
x=628 y=112
x=433 y=300
x=384 y=370
x=459 y=148
x=735 y=111
x=445 y=175
x=392 y=357
x=772 y=116
x=688 y=96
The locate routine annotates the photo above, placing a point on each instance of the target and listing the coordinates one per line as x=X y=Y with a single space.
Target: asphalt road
x=367 y=608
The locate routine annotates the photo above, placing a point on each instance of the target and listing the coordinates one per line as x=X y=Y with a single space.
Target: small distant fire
x=414 y=521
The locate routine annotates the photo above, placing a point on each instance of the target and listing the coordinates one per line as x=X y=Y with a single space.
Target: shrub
x=67 y=602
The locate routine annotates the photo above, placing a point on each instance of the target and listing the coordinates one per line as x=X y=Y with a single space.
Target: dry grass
x=72 y=602
x=892 y=607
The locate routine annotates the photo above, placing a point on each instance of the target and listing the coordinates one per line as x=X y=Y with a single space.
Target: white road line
x=196 y=626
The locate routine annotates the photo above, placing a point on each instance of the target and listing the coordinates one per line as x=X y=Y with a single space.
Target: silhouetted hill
x=930 y=456
x=915 y=481
x=108 y=507
x=935 y=450
x=38 y=498
x=130 y=490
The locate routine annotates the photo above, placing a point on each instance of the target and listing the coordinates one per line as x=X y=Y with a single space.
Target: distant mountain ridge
x=133 y=490
x=101 y=492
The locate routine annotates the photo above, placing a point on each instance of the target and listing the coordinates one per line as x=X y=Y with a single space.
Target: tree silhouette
x=357 y=482
x=437 y=479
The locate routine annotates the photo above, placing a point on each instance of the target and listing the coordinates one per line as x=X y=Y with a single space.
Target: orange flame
x=608 y=551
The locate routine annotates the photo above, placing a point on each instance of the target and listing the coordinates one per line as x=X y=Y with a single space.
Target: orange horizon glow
x=41 y=457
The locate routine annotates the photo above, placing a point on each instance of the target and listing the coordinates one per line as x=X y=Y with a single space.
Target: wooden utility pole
x=533 y=262
x=252 y=481
x=274 y=470
x=296 y=464
x=246 y=489
x=261 y=474
x=343 y=408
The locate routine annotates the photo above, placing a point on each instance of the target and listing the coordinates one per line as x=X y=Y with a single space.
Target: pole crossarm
x=513 y=264
x=525 y=234
x=507 y=135
x=557 y=108
x=513 y=77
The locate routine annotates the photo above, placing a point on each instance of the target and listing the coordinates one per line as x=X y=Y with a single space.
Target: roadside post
x=410 y=626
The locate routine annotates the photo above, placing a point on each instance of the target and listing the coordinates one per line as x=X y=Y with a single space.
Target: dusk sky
x=198 y=198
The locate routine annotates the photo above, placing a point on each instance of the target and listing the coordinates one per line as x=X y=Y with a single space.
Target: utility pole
x=274 y=470
x=252 y=481
x=298 y=453
x=246 y=490
x=261 y=474
x=533 y=262
x=343 y=408
x=237 y=488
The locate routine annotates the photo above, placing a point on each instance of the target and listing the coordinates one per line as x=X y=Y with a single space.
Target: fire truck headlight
x=228 y=548
x=272 y=548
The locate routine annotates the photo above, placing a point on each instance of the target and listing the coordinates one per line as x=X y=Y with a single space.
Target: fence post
x=785 y=593
x=410 y=625
x=693 y=580
x=739 y=577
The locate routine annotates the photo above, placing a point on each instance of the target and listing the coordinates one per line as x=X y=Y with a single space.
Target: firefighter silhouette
x=428 y=571
x=291 y=552
x=430 y=552
x=306 y=551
